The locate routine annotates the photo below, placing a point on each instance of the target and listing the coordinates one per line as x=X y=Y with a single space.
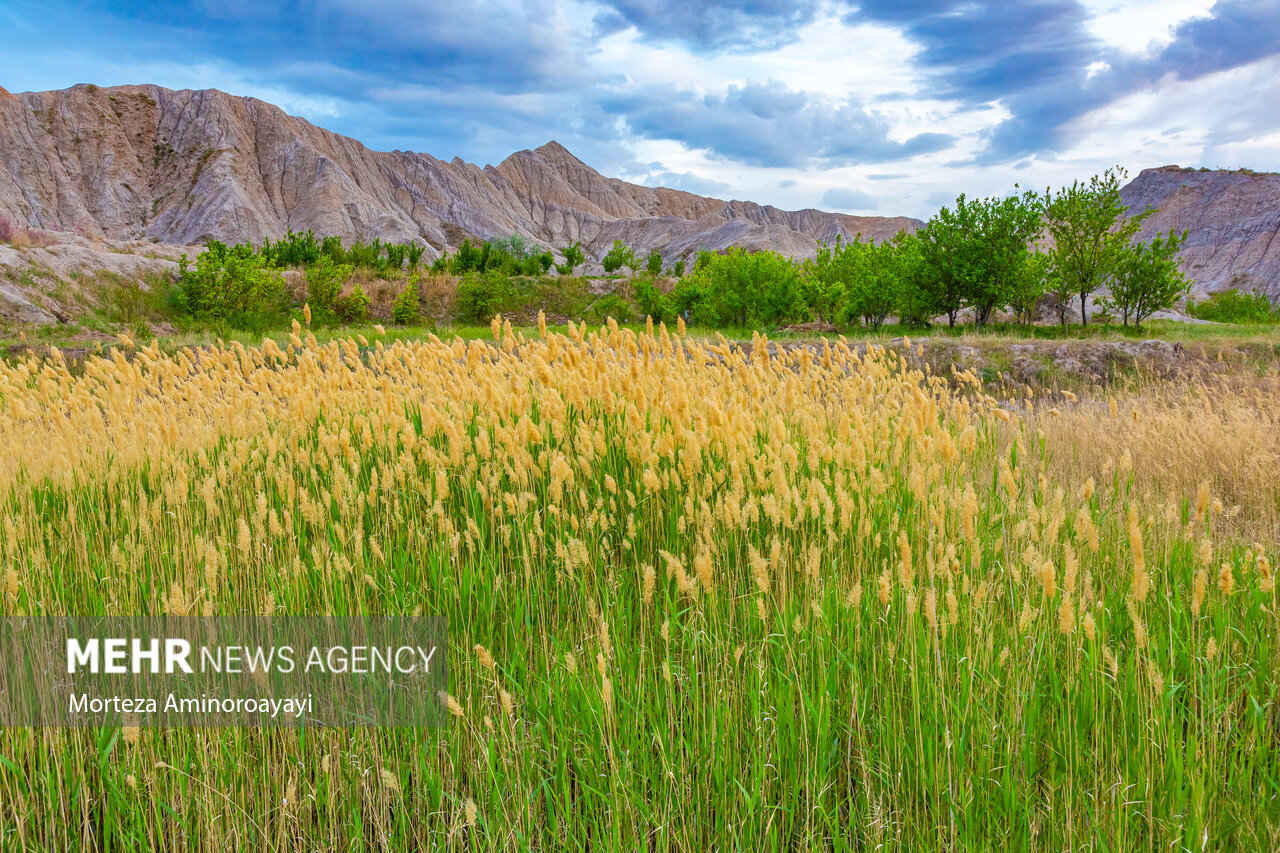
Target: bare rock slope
x=1232 y=220
x=181 y=167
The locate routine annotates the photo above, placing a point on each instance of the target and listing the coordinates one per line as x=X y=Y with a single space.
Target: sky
x=880 y=107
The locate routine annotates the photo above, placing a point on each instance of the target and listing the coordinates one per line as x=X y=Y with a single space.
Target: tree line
x=981 y=256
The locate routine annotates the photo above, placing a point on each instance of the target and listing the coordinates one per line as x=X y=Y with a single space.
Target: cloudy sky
x=879 y=107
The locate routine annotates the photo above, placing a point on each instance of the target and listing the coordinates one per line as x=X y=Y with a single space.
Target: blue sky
x=879 y=107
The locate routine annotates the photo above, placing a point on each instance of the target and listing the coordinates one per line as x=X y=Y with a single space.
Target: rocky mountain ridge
x=129 y=163
x=1232 y=221
x=182 y=167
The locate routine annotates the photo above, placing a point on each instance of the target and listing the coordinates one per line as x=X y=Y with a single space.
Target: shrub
x=367 y=255
x=652 y=302
x=573 y=258
x=742 y=288
x=123 y=299
x=618 y=257
x=396 y=255
x=415 y=255
x=20 y=240
x=1232 y=306
x=407 y=305
x=292 y=250
x=230 y=283
x=353 y=307
x=331 y=248
x=324 y=282
x=613 y=305
x=481 y=295
x=6 y=229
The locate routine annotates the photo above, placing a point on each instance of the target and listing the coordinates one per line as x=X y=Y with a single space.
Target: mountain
x=182 y=167
x=1232 y=220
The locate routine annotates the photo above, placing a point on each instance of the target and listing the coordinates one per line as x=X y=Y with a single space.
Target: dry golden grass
x=1171 y=438
x=811 y=599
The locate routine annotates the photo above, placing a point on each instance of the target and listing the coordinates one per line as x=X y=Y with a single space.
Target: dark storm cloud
x=1235 y=33
x=1036 y=57
x=481 y=79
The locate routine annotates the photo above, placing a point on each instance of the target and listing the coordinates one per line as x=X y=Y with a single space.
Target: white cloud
x=1224 y=119
x=1136 y=26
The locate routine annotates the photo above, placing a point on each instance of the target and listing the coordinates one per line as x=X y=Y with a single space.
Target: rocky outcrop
x=1232 y=220
x=182 y=167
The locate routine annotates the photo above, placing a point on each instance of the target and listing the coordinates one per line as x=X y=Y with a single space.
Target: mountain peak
x=187 y=166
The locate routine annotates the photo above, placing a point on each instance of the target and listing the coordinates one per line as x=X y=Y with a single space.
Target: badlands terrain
x=125 y=179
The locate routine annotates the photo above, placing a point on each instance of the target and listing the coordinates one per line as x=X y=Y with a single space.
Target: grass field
x=697 y=600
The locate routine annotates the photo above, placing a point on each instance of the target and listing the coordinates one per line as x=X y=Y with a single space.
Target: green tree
x=353 y=307
x=1028 y=288
x=653 y=264
x=743 y=289
x=977 y=253
x=652 y=301
x=940 y=282
x=573 y=258
x=823 y=280
x=1090 y=238
x=407 y=306
x=1147 y=279
x=618 y=257
x=230 y=283
x=324 y=282
x=854 y=282
x=914 y=276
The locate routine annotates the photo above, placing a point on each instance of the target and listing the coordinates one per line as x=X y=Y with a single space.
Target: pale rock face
x=1232 y=220
x=183 y=167
x=144 y=162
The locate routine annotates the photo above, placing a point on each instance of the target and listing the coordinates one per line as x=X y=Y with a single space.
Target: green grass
x=803 y=715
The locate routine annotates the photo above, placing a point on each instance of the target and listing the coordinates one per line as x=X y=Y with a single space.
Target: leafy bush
x=292 y=250
x=406 y=308
x=396 y=255
x=573 y=258
x=512 y=255
x=126 y=299
x=230 y=283
x=618 y=257
x=482 y=295
x=6 y=229
x=741 y=288
x=415 y=255
x=353 y=307
x=324 y=282
x=367 y=255
x=331 y=248
x=613 y=305
x=653 y=265
x=652 y=302
x=1232 y=306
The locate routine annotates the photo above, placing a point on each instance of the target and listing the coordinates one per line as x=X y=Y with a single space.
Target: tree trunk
x=1084 y=318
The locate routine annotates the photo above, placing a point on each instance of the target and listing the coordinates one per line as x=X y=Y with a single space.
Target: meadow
x=812 y=598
